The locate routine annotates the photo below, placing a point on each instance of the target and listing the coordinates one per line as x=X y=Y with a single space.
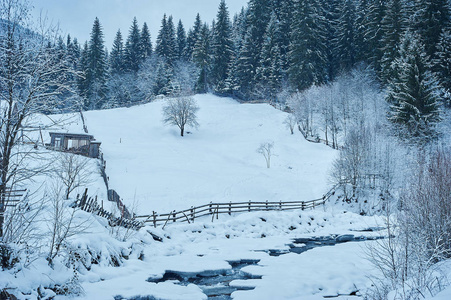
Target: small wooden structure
x=83 y=144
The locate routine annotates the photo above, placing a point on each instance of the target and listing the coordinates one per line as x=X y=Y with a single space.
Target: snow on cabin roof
x=73 y=135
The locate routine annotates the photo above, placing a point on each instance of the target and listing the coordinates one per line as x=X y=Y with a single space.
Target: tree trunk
x=182 y=130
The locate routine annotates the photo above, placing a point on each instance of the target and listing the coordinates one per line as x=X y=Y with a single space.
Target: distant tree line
x=277 y=46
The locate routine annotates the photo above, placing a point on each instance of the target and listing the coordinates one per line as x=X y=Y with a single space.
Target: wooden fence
x=214 y=209
x=91 y=205
x=12 y=197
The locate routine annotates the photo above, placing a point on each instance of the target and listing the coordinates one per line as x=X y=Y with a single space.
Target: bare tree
x=266 y=149
x=351 y=166
x=73 y=171
x=181 y=111
x=290 y=122
x=419 y=234
x=62 y=223
x=31 y=79
x=302 y=108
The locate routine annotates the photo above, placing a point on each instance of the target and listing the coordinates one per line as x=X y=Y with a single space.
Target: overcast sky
x=77 y=16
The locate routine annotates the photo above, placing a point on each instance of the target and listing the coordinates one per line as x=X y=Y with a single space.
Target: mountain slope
x=151 y=165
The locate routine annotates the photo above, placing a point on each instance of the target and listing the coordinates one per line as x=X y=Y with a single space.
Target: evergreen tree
x=83 y=67
x=97 y=69
x=238 y=34
x=181 y=42
x=239 y=30
x=308 y=47
x=393 y=25
x=269 y=73
x=258 y=17
x=161 y=43
x=162 y=84
x=283 y=10
x=332 y=14
x=373 y=33
x=73 y=52
x=346 y=34
x=431 y=18
x=117 y=55
x=172 y=44
x=222 y=47
x=193 y=36
x=362 y=39
x=133 y=53
x=201 y=57
x=414 y=92
x=166 y=47
x=442 y=64
x=145 y=43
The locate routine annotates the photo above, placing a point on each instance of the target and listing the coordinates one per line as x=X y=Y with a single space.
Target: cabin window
x=58 y=142
x=75 y=144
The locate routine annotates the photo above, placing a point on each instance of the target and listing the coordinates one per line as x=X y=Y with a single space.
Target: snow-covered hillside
x=152 y=165
x=308 y=254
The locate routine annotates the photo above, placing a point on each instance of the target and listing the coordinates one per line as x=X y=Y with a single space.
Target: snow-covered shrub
x=418 y=234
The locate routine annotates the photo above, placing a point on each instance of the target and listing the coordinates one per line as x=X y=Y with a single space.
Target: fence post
x=280 y=205
x=192 y=213
x=154 y=215
x=217 y=212
x=303 y=205
x=209 y=207
x=230 y=208
x=249 y=205
x=174 y=216
x=266 y=205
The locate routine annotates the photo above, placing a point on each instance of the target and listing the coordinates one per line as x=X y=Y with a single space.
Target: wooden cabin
x=83 y=144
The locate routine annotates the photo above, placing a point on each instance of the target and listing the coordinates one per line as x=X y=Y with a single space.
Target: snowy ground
x=151 y=165
x=205 y=247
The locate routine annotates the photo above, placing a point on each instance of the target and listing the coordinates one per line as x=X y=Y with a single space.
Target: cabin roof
x=78 y=136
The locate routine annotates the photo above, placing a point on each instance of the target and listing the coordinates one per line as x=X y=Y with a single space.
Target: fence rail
x=215 y=209
x=189 y=215
x=91 y=205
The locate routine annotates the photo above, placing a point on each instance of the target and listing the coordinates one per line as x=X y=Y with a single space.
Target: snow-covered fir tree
x=429 y=20
x=145 y=43
x=393 y=26
x=269 y=75
x=346 y=34
x=414 y=92
x=96 y=71
x=202 y=57
x=308 y=45
x=133 y=48
x=193 y=36
x=442 y=64
x=374 y=34
x=181 y=42
x=166 y=43
x=258 y=16
x=221 y=48
x=117 y=55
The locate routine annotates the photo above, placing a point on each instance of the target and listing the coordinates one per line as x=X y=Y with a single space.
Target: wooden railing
x=189 y=215
x=91 y=205
x=13 y=197
x=215 y=209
